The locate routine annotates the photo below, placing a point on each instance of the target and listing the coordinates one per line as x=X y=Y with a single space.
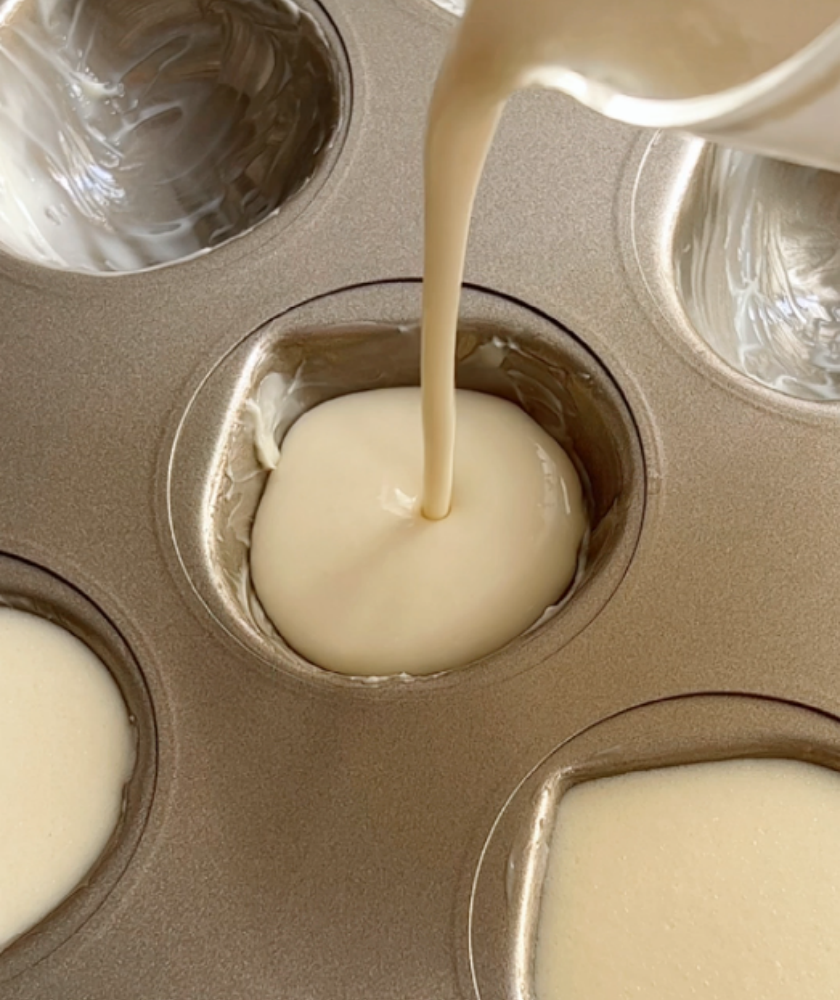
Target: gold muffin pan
x=292 y=834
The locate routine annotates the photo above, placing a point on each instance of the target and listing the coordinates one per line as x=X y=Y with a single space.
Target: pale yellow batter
x=358 y=581
x=66 y=752
x=715 y=881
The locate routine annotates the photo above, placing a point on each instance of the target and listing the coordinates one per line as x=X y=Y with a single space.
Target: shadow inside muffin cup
x=368 y=338
x=144 y=133
x=28 y=588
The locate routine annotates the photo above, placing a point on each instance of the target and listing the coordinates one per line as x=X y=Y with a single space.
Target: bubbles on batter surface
x=138 y=134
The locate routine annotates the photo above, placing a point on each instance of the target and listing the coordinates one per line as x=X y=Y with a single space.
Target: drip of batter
x=647 y=48
x=66 y=753
x=349 y=569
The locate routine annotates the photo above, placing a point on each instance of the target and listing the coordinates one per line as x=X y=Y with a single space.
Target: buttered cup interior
x=357 y=580
x=140 y=134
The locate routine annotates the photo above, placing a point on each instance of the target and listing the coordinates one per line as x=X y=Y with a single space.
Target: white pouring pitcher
x=657 y=63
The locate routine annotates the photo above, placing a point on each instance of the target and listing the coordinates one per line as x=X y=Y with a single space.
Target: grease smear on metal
x=66 y=752
x=130 y=137
x=760 y=271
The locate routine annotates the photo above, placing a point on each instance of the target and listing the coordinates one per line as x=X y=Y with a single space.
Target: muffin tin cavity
x=739 y=252
x=138 y=135
x=368 y=337
x=757 y=267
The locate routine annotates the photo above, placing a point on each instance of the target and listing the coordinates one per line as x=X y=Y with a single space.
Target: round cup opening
x=139 y=136
x=28 y=588
x=367 y=338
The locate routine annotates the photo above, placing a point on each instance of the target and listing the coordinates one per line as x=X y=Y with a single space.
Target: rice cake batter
x=716 y=881
x=66 y=753
x=355 y=577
